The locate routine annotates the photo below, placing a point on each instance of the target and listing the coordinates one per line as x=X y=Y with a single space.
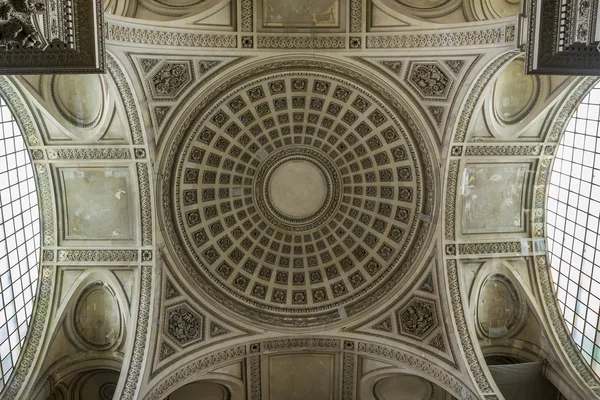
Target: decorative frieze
x=121 y=33
x=98 y=255
x=301 y=42
x=446 y=39
x=89 y=154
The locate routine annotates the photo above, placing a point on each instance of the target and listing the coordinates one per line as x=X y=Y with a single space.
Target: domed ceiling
x=299 y=187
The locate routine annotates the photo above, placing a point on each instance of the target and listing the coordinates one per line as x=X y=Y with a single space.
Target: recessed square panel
x=97 y=203
x=493 y=197
x=301 y=377
x=302 y=14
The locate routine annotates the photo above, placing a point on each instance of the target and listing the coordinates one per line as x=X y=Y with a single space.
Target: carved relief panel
x=40 y=36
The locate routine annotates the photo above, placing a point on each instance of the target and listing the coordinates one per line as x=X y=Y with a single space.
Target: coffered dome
x=299 y=187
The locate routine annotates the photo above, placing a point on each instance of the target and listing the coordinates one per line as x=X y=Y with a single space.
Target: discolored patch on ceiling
x=98 y=203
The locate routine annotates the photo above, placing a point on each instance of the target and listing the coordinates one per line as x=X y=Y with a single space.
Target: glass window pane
x=573 y=220
x=19 y=241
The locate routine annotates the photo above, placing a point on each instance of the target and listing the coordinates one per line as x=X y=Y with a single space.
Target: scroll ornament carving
x=418 y=318
x=16 y=24
x=430 y=81
x=169 y=80
x=184 y=325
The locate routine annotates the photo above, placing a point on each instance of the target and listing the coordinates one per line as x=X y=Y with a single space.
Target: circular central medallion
x=297 y=189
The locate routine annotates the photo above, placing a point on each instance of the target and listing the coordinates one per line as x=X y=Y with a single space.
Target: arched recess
x=333 y=355
x=420 y=13
x=398 y=384
x=75 y=353
x=212 y=387
x=458 y=288
x=450 y=11
x=211 y=14
x=524 y=341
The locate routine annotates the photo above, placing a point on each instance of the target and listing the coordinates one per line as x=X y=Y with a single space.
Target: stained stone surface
x=300 y=13
x=79 y=98
x=297 y=189
x=301 y=377
x=492 y=198
x=97 y=319
x=298 y=192
x=98 y=203
x=514 y=93
x=498 y=306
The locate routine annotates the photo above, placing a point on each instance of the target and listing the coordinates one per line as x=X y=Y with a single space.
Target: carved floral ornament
x=298 y=192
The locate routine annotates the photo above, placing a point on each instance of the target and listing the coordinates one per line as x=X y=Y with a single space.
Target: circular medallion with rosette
x=299 y=192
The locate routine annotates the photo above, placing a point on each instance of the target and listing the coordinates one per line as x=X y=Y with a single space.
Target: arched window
x=572 y=226
x=19 y=241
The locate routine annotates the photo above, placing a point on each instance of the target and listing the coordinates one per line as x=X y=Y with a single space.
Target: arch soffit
x=198 y=366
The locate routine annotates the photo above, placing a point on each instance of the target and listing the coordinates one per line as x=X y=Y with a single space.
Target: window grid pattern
x=572 y=227
x=19 y=242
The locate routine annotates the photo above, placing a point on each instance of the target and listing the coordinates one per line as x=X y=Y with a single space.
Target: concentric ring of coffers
x=297 y=191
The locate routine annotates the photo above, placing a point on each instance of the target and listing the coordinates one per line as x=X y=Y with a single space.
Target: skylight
x=19 y=241
x=572 y=227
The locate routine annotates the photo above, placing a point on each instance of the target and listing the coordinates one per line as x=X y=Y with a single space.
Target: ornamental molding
x=475 y=92
x=301 y=42
x=473 y=358
x=450 y=209
x=127 y=99
x=388 y=324
x=457 y=37
x=66 y=256
x=145 y=205
x=215 y=331
x=35 y=337
x=89 y=154
x=465 y=35
x=351 y=352
x=48 y=197
x=503 y=150
x=138 y=357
